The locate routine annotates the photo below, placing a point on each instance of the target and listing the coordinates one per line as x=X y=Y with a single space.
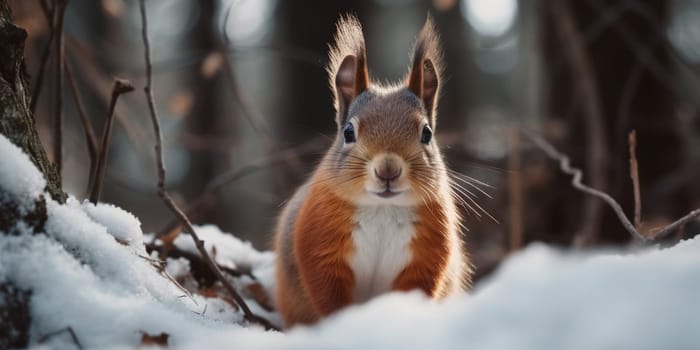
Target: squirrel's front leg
x=325 y=275
x=322 y=246
x=429 y=249
x=328 y=282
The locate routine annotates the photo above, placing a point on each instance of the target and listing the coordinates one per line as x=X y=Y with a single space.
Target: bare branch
x=248 y=314
x=120 y=87
x=515 y=190
x=634 y=174
x=48 y=14
x=666 y=230
x=565 y=166
x=90 y=138
x=218 y=182
x=593 y=117
x=159 y=265
x=68 y=330
x=60 y=9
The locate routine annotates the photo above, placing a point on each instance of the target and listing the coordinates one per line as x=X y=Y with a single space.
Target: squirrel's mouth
x=387 y=193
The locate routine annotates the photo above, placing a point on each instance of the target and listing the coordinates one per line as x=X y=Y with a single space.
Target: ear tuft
x=347 y=66
x=426 y=68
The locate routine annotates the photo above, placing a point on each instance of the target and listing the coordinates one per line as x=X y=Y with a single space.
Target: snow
x=540 y=299
x=119 y=223
x=233 y=253
x=90 y=270
x=18 y=175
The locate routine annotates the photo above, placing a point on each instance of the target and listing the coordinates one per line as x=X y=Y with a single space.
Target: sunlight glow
x=684 y=31
x=490 y=17
x=248 y=20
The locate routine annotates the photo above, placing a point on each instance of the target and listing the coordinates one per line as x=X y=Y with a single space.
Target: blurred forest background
x=242 y=82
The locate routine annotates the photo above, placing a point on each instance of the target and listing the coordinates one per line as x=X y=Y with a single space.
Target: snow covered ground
x=90 y=271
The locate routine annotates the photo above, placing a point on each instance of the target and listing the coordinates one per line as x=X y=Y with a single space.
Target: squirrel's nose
x=387 y=173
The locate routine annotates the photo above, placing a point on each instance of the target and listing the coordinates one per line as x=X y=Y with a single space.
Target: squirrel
x=378 y=213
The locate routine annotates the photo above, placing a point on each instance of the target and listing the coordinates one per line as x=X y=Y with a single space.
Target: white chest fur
x=382 y=238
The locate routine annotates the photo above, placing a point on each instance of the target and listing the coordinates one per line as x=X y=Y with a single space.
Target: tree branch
x=593 y=116
x=59 y=11
x=247 y=313
x=48 y=14
x=634 y=174
x=565 y=166
x=218 y=182
x=90 y=138
x=68 y=330
x=120 y=87
x=515 y=190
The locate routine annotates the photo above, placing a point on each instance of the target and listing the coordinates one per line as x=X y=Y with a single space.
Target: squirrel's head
x=385 y=152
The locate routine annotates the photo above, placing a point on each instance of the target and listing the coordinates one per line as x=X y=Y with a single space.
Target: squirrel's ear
x=347 y=66
x=424 y=77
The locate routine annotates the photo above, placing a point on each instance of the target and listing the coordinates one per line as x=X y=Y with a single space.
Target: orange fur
x=322 y=245
x=292 y=303
x=430 y=248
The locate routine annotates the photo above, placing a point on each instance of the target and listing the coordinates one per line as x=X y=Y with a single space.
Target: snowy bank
x=540 y=299
x=90 y=271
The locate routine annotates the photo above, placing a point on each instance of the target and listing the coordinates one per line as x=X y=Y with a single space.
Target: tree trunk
x=16 y=121
x=17 y=124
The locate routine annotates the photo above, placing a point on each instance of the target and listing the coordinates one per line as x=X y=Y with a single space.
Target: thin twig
x=634 y=174
x=515 y=190
x=90 y=138
x=120 y=87
x=656 y=234
x=173 y=251
x=565 y=166
x=97 y=80
x=593 y=117
x=248 y=314
x=160 y=266
x=60 y=9
x=68 y=330
x=48 y=14
x=234 y=174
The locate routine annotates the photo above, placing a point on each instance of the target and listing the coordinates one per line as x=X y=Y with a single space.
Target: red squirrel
x=378 y=213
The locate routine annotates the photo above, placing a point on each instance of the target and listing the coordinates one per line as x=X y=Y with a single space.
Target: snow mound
x=121 y=224
x=540 y=299
x=18 y=175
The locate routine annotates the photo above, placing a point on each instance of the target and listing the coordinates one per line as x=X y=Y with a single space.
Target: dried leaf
x=213 y=293
x=160 y=339
x=169 y=238
x=209 y=293
x=211 y=64
x=653 y=224
x=444 y=5
x=181 y=103
x=114 y=8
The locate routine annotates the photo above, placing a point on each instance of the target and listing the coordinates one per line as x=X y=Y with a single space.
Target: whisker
x=465 y=203
x=468 y=181
x=469 y=178
x=461 y=189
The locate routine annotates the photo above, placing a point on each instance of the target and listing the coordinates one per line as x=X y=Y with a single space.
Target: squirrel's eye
x=426 y=135
x=349 y=133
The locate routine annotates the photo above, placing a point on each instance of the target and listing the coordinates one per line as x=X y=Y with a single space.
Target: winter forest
x=148 y=149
